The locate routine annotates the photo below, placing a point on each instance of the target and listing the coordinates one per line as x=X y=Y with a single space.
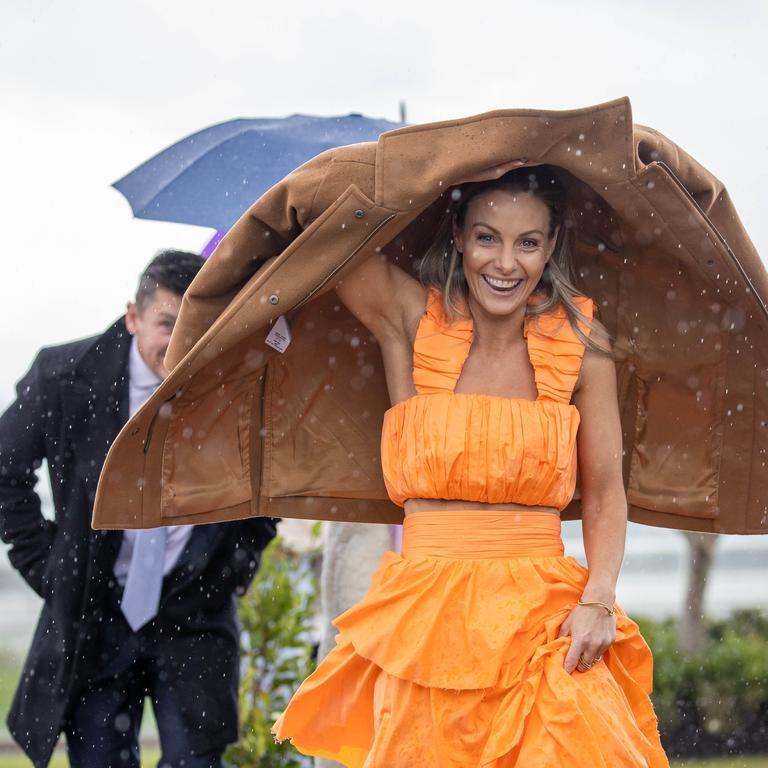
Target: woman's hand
x=592 y=631
x=494 y=172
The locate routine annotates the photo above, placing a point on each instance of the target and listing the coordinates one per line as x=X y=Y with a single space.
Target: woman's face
x=506 y=245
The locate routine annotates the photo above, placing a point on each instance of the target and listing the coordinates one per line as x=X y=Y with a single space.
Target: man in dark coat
x=98 y=651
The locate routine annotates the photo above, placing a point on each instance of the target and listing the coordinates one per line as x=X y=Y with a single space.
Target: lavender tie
x=141 y=597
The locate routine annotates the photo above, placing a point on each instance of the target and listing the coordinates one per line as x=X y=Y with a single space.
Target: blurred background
x=91 y=89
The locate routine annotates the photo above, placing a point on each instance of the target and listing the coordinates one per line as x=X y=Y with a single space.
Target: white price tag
x=280 y=336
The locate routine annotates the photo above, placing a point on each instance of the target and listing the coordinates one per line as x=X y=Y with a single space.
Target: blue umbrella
x=212 y=176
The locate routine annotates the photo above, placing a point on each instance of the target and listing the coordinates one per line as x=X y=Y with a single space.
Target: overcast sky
x=89 y=89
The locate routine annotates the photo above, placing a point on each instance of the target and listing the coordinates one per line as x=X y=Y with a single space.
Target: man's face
x=152 y=326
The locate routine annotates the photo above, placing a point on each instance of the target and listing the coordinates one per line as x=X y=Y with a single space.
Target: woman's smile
x=502 y=286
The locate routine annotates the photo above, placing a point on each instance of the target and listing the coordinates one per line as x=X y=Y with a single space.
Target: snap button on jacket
x=239 y=429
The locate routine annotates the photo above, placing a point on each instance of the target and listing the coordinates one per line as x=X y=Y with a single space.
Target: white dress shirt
x=142 y=382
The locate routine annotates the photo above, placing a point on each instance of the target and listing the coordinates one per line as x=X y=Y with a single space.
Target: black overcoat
x=69 y=408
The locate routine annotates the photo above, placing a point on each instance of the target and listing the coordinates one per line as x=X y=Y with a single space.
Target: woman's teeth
x=501 y=285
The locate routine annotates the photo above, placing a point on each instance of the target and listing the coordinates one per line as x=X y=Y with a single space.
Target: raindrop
x=122 y=722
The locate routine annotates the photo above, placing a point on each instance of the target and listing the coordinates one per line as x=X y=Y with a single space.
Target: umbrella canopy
x=210 y=177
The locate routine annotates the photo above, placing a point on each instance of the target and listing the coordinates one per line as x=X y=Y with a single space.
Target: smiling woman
x=521 y=237
x=504 y=652
x=482 y=644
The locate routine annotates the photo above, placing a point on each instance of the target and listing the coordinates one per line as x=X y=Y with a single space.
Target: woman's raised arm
x=384 y=298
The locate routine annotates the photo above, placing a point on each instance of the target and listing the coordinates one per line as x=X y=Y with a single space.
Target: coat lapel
x=193 y=559
x=95 y=400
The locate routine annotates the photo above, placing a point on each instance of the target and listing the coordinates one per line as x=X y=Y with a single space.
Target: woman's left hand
x=592 y=631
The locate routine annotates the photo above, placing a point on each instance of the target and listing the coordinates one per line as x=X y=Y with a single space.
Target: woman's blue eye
x=485 y=238
x=528 y=243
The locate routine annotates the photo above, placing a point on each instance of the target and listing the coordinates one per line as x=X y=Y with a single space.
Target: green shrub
x=277 y=654
x=668 y=677
x=717 y=700
x=733 y=672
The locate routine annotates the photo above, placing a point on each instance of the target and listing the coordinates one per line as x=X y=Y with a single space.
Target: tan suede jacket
x=239 y=429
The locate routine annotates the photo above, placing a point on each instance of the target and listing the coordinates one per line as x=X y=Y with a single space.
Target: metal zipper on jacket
x=259 y=439
x=151 y=427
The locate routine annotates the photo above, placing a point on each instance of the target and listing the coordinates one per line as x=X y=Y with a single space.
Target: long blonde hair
x=441 y=266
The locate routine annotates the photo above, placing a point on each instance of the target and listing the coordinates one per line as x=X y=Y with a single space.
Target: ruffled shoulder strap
x=440 y=349
x=556 y=351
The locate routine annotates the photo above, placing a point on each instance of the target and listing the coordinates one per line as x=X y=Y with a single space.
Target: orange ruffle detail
x=456 y=663
x=442 y=346
x=480 y=448
x=440 y=349
x=555 y=351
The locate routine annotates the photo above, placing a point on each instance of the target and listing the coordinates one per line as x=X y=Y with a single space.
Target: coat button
x=273 y=299
x=359 y=213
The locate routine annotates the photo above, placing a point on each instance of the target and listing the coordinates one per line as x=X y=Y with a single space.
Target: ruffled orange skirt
x=453 y=660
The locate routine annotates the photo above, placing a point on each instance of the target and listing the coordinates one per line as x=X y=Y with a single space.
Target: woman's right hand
x=494 y=172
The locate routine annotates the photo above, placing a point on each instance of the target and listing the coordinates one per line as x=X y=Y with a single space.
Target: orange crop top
x=439 y=444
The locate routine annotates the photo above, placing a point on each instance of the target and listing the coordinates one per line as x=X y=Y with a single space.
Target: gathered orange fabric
x=481 y=448
x=453 y=660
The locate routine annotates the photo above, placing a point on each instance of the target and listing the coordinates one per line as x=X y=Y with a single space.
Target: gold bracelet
x=608 y=608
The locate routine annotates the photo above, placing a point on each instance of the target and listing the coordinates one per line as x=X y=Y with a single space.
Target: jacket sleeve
x=251 y=537
x=262 y=232
x=22 y=449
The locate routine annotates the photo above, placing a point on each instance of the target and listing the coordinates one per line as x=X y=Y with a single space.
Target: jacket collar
x=574 y=140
